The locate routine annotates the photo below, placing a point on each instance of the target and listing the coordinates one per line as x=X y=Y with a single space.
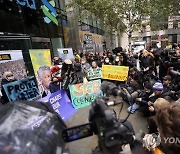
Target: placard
x=95 y=73
x=40 y=57
x=84 y=94
x=12 y=61
x=111 y=72
x=61 y=104
x=66 y=53
x=26 y=89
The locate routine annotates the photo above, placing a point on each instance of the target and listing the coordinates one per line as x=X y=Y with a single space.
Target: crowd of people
x=153 y=80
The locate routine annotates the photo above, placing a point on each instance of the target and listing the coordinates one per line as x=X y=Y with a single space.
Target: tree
x=125 y=15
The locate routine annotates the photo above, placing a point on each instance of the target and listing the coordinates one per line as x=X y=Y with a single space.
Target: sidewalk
x=86 y=145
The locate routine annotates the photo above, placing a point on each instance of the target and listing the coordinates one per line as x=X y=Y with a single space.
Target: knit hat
x=167 y=77
x=158 y=85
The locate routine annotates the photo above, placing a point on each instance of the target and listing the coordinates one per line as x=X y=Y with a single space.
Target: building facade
x=42 y=24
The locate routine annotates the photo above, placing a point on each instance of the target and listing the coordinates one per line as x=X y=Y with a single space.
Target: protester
x=168 y=123
x=7 y=77
x=146 y=63
x=67 y=73
x=94 y=64
x=107 y=61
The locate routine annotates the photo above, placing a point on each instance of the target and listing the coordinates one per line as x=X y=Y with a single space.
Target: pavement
x=86 y=145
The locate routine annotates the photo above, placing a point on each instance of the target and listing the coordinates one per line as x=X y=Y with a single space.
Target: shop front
x=28 y=25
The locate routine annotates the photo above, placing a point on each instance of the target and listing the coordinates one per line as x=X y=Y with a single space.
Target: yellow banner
x=40 y=57
x=111 y=72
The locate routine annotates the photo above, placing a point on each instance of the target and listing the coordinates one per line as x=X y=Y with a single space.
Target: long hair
x=168 y=122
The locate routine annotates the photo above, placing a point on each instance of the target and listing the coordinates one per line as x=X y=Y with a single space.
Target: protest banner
x=94 y=73
x=66 y=53
x=61 y=104
x=84 y=94
x=111 y=72
x=12 y=61
x=26 y=89
x=40 y=57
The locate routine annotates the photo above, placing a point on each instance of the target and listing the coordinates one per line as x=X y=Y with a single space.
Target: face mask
x=83 y=62
x=107 y=61
x=117 y=59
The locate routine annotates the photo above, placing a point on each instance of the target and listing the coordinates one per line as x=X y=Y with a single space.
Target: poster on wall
x=11 y=62
x=66 y=53
x=118 y=73
x=84 y=94
x=88 y=42
x=41 y=61
x=25 y=89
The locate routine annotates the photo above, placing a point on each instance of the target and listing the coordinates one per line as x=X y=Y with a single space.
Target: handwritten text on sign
x=94 y=73
x=111 y=72
x=26 y=89
x=84 y=94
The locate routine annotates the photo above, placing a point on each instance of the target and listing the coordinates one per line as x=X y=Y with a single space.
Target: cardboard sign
x=66 y=53
x=111 y=72
x=26 y=89
x=61 y=104
x=84 y=94
x=94 y=73
x=12 y=61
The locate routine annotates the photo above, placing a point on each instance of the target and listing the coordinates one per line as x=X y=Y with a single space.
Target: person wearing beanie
x=157 y=93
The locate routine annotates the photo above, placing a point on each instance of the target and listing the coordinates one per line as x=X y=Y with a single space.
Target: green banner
x=94 y=74
x=84 y=94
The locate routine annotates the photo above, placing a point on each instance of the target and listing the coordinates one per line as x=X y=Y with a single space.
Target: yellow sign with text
x=111 y=72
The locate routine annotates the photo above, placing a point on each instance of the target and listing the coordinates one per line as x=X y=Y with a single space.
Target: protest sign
x=61 y=104
x=26 y=89
x=40 y=57
x=111 y=72
x=88 y=42
x=12 y=61
x=66 y=53
x=94 y=73
x=84 y=94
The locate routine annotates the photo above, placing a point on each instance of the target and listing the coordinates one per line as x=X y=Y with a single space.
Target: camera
x=103 y=122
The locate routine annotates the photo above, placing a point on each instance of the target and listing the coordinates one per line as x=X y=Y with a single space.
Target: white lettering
x=166 y=139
